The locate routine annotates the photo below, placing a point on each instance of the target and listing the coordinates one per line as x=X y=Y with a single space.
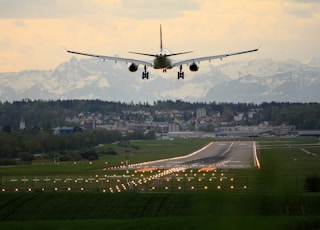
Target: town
x=173 y=123
x=167 y=119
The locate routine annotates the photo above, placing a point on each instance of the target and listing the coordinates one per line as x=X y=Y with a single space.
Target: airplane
x=162 y=60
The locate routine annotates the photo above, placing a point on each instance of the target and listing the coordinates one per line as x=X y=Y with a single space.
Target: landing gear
x=145 y=74
x=180 y=73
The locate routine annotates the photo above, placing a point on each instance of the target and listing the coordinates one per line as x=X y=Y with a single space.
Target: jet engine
x=133 y=67
x=193 y=67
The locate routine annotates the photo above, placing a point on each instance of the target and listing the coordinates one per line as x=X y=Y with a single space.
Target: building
x=201 y=112
x=22 y=124
x=173 y=127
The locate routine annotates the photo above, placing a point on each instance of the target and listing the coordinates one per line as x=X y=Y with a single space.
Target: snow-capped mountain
x=247 y=81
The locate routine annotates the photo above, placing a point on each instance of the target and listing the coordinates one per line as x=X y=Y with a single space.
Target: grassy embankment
x=134 y=151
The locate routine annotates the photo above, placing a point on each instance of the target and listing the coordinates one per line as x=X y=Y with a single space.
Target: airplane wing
x=127 y=60
x=209 y=58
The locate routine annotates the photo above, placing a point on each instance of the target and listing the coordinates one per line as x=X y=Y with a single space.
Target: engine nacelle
x=194 y=67
x=133 y=67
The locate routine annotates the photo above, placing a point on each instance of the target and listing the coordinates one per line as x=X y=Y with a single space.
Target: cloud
x=180 y=5
x=302 y=8
x=45 y=8
x=18 y=23
x=39 y=28
x=35 y=9
x=146 y=9
x=305 y=1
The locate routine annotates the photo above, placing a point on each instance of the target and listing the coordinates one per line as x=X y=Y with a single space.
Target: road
x=237 y=154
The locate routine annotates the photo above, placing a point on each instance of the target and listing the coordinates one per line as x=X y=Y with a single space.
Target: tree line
x=25 y=145
x=49 y=114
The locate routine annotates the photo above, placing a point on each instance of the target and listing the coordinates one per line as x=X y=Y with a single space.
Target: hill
x=254 y=81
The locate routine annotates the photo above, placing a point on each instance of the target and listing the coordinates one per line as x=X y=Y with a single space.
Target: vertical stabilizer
x=160 y=38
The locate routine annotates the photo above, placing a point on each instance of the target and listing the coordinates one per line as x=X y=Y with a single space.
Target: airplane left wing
x=127 y=60
x=209 y=58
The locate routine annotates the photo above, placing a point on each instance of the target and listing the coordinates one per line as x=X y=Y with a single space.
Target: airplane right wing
x=127 y=60
x=209 y=58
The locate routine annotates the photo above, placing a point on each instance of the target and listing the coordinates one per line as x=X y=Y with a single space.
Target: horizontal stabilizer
x=157 y=55
x=168 y=55
x=151 y=55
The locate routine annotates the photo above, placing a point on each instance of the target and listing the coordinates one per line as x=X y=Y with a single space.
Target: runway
x=237 y=154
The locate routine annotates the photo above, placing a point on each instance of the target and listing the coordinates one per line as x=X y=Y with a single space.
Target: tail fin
x=160 y=38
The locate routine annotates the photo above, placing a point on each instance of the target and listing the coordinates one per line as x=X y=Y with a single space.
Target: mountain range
x=251 y=81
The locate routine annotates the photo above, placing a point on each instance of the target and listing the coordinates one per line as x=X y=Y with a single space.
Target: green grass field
x=158 y=210
x=272 y=197
x=137 y=151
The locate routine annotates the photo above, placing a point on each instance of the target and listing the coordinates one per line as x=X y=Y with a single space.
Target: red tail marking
x=160 y=39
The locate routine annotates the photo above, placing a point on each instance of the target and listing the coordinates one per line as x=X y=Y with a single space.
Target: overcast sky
x=33 y=32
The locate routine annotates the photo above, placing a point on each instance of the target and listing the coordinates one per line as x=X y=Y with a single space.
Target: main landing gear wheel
x=145 y=74
x=180 y=73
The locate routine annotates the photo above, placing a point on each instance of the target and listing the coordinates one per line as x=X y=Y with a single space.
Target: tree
x=77 y=129
x=90 y=155
x=7 y=129
x=312 y=183
x=26 y=156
